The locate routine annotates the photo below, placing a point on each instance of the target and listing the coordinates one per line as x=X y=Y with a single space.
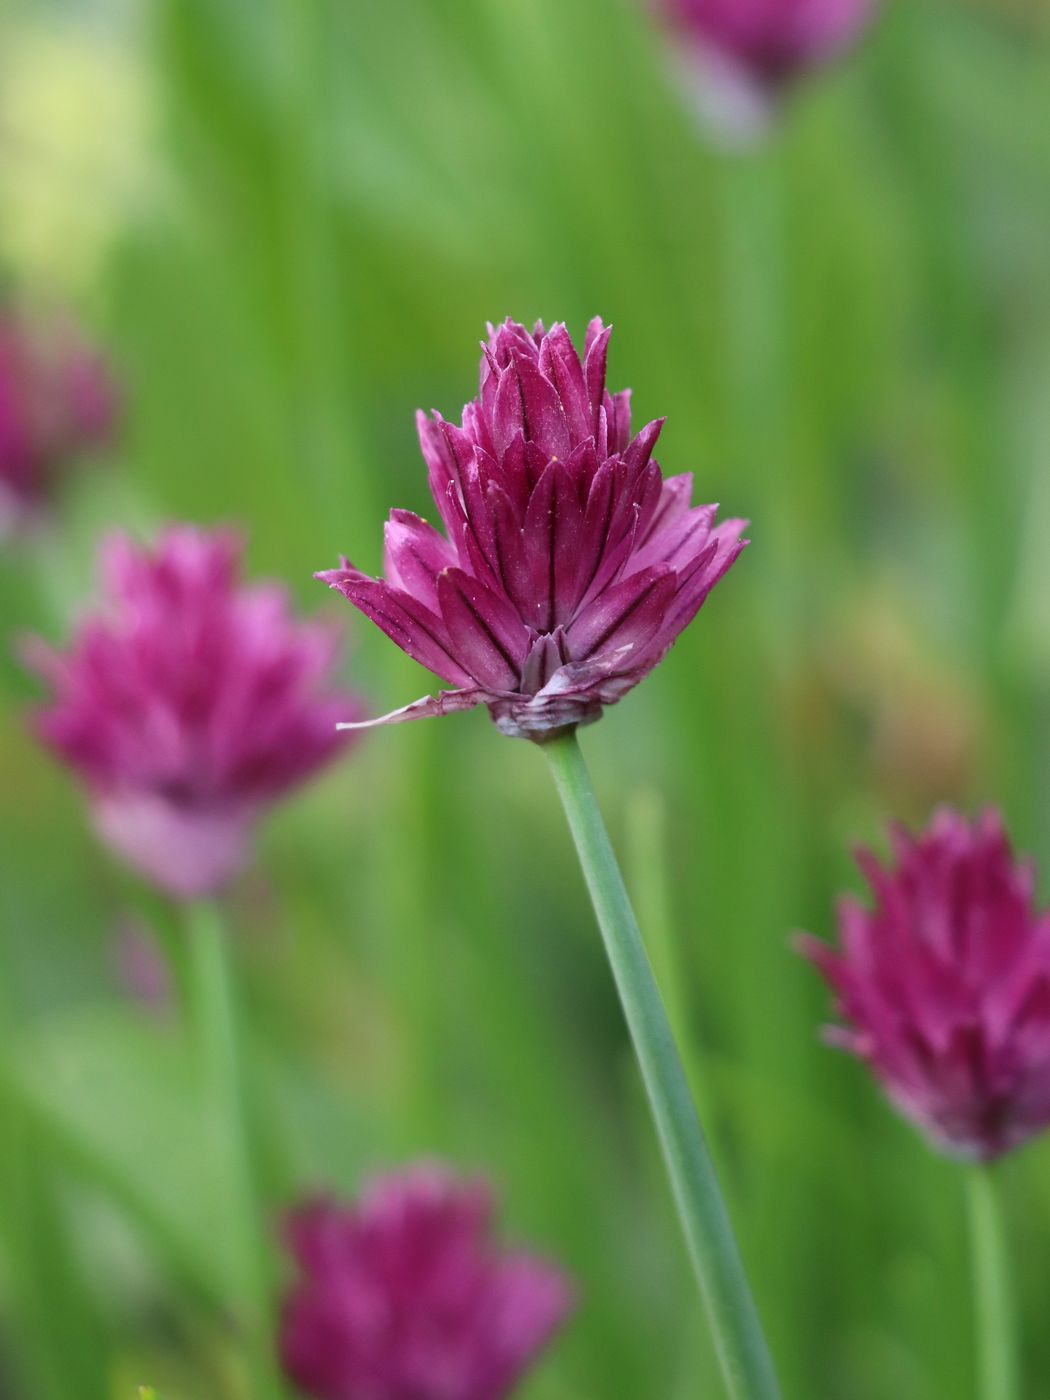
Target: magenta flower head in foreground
x=189 y=706
x=568 y=564
x=57 y=402
x=944 y=985
x=406 y=1296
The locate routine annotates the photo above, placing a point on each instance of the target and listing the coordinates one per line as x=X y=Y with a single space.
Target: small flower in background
x=740 y=55
x=945 y=985
x=406 y=1295
x=190 y=707
x=569 y=564
x=57 y=403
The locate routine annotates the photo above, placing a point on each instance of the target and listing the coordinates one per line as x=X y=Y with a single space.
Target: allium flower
x=190 y=707
x=568 y=564
x=406 y=1296
x=56 y=402
x=945 y=985
x=768 y=42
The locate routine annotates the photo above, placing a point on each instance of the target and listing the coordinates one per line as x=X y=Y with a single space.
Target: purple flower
x=945 y=984
x=406 y=1296
x=568 y=565
x=56 y=402
x=767 y=42
x=190 y=707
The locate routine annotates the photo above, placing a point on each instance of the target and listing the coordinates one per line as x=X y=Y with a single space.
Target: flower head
x=56 y=402
x=568 y=565
x=769 y=42
x=406 y=1296
x=945 y=985
x=190 y=707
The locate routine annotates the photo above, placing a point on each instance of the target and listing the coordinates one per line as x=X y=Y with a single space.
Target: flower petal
x=546 y=657
x=678 y=544
x=618 y=413
x=675 y=495
x=487 y=635
x=552 y=530
x=561 y=364
x=414 y=554
x=628 y=614
x=725 y=546
x=640 y=449
x=545 y=422
x=594 y=366
x=441 y=474
x=419 y=632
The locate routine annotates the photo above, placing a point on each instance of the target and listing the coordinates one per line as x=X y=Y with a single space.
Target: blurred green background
x=291 y=219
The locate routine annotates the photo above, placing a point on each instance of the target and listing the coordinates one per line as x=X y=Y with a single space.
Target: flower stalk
x=214 y=1017
x=993 y=1302
x=744 y=1356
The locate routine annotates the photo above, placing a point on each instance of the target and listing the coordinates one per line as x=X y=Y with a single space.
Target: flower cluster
x=56 y=402
x=189 y=707
x=405 y=1296
x=568 y=565
x=945 y=985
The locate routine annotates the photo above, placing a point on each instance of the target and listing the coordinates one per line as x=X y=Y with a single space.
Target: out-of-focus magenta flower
x=57 y=402
x=406 y=1296
x=768 y=41
x=190 y=707
x=568 y=564
x=737 y=57
x=945 y=985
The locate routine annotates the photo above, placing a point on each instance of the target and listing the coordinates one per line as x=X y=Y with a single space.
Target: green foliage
x=849 y=330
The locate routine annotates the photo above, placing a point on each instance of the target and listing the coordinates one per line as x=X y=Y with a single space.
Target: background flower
x=770 y=40
x=945 y=985
x=57 y=402
x=407 y=1296
x=189 y=707
x=737 y=57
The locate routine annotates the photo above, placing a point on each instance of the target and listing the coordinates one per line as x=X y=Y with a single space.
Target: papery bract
x=189 y=707
x=406 y=1295
x=57 y=401
x=568 y=565
x=944 y=985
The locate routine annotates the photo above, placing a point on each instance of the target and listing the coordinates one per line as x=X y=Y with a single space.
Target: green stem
x=993 y=1304
x=213 y=1006
x=742 y=1351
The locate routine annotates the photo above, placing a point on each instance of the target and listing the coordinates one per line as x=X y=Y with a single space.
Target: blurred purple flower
x=190 y=708
x=57 y=401
x=768 y=41
x=945 y=984
x=569 y=565
x=737 y=57
x=406 y=1296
